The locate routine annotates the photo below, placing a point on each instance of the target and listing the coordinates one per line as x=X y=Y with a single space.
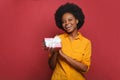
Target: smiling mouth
x=68 y=27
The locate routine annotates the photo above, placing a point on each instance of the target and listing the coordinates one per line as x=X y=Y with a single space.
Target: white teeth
x=67 y=26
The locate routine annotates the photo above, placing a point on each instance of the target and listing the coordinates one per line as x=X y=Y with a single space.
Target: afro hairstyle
x=72 y=8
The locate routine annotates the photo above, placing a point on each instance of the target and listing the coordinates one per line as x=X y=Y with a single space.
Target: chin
x=69 y=32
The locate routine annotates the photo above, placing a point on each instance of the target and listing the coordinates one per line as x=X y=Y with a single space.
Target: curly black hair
x=69 y=8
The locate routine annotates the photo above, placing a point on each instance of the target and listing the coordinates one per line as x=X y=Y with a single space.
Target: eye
x=70 y=19
x=63 y=21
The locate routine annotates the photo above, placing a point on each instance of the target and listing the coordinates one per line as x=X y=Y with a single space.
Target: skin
x=69 y=23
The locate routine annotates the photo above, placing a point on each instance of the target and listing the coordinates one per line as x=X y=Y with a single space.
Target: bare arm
x=80 y=67
x=53 y=56
x=53 y=59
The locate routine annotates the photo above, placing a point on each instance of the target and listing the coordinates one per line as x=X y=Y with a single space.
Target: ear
x=77 y=21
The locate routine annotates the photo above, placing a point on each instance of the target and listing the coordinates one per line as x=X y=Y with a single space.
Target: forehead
x=68 y=15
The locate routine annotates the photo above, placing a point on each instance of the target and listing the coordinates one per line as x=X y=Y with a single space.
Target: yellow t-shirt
x=79 y=50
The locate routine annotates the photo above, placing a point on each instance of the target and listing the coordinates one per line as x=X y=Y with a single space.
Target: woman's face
x=69 y=23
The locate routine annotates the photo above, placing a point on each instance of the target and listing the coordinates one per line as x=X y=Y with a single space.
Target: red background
x=24 y=24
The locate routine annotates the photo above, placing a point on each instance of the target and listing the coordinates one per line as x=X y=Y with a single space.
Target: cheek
x=74 y=23
x=63 y=25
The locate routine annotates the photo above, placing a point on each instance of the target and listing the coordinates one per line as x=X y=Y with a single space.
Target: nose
x=67 y=22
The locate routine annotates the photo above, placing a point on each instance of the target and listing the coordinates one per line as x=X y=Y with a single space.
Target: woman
x=73 y=59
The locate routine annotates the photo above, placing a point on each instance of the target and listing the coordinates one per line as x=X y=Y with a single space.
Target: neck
x=73 y=35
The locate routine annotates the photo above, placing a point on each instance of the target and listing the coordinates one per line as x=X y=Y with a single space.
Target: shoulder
x=62 y=35
x=86 y=40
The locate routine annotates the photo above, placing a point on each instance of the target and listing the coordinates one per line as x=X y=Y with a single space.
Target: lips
x=68 y=27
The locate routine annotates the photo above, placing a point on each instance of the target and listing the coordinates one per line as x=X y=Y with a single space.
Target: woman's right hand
x=44 y=46
x=53 y=50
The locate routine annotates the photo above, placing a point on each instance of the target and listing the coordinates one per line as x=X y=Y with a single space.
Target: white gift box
x=53 y=42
